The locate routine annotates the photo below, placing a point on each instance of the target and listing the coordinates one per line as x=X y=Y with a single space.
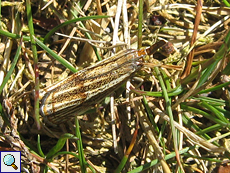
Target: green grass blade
x=61 y=142
x=168 y=108
x=156 y=161
x=207 y=72
x=166 y=79
x=173 y=92
x=225 y=112
x=226 y=3
x=82 y=161
x=214 y=111
x=55 y=56
x=222 y=52
x=212 y=101
x=226 y=69
x=7 y=77
x=205 y=114
x=212 y=128
x=46 y=38
x=89 y=37
x=214 y=88
x=150 y=114
x=14 y=36
x=39 y=147
x=188 y=123
x=35 y=57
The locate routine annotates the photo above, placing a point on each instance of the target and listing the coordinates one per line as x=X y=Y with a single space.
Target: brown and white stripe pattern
x=82 y=90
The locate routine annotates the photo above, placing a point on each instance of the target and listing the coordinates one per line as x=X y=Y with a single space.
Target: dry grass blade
x=195 y=139
x=193 y=39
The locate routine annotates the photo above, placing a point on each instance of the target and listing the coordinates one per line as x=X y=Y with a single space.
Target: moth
x=80 y=91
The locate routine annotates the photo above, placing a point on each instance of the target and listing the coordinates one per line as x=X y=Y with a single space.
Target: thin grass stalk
x=214 y=88
x=202 y=158
x=55 y=29
x=2 y=114
x=140 y=20
x=166 y=79
x=212 y=101
x=150 y=114
x=127 y=153
x=39 y=147
x=13 y=36
x=206 y=73
x=13 y=64
x=94 y=48
x=156 y=161
x=59 y=145
x=57 y=57
x=161 y=134
x=205 y=114
x=212 y=128
x=34 y=51
x=130 y=148
x=173 y=92
x=224 y=111
x=90 y=38
x=223 y=50
x=193 y=39
x=149 y=131
x=80 y=147
x=226 y=3
x=214 y=111
x=169 y=112
x=114 y=41
x=187 y=122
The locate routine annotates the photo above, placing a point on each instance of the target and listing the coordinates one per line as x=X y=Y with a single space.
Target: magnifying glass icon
x=9 y=160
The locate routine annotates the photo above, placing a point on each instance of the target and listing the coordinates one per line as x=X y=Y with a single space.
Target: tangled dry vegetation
x=173 y=115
